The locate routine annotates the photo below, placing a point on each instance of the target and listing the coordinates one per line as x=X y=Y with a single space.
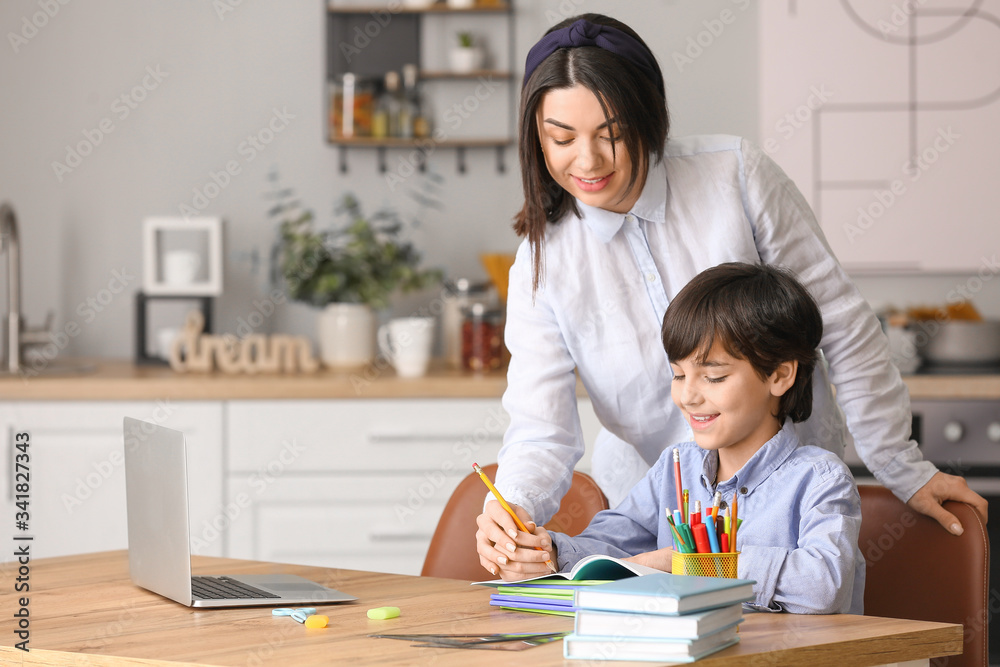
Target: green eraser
x=382 y=613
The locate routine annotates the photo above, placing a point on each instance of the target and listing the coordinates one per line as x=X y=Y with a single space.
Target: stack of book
x=661 y=616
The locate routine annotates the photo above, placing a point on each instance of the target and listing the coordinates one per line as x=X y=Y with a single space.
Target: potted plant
x=349 y=271
x=466 y=56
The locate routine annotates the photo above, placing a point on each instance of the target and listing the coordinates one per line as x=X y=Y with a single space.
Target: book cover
x=597 y=566
x=669 y=650
x=594 y=623
x=665 y=593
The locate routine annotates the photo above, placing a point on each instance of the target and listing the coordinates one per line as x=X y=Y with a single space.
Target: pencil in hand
x=509 y=509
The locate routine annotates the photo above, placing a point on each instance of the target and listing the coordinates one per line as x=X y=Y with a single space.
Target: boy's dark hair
x=624 y=92
x=759 y=313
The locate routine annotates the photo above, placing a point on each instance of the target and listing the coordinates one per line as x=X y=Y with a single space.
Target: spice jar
x=460 y=294
x=482 y=338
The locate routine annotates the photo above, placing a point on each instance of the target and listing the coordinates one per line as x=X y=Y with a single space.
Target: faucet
x=18 y=335
x=9 y=243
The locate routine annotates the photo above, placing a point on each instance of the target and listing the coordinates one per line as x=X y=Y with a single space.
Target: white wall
x=222 y=78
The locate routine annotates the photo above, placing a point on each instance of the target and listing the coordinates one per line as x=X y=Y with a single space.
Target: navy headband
x=585 y=33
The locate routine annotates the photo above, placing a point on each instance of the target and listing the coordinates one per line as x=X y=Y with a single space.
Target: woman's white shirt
x=607 y=279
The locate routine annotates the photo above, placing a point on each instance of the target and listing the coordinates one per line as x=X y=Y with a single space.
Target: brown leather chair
x=917 y=570
x=452 y=553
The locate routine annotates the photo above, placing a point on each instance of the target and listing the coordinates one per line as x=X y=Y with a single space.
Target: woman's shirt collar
x=651 y=206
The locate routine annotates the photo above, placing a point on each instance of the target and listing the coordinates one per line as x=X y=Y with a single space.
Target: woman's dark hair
x=624 y=92
x=757 y=312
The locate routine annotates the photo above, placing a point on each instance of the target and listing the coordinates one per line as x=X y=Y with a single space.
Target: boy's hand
x=511 y=553
x=661 y=559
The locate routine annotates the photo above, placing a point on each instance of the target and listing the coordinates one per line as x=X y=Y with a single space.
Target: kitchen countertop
x=123 y=380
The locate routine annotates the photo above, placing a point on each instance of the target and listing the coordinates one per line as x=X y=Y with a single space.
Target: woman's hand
x=661 y=559
x=941 y=487
x=509 y=552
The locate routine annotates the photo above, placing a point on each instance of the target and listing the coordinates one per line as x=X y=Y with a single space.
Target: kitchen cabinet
x=357 y=483
x=467 y=110
x=77 y=477
x=342 y=482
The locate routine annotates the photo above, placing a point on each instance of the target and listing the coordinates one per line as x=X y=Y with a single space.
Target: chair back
x=918 y=570
x=452 y=553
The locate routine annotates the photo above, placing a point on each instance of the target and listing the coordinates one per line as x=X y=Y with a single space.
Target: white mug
x=406 y=342
x=180 y=267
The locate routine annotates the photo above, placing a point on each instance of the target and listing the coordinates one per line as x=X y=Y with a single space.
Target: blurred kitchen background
x=202 y=76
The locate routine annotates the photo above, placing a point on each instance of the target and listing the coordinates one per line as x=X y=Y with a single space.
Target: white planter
x=461 y=4
x=346 y=335
x=465 y=59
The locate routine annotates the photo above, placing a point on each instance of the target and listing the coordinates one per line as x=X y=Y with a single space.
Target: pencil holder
x=706 y=565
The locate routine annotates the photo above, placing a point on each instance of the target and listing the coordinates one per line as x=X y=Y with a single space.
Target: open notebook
x=595 y=567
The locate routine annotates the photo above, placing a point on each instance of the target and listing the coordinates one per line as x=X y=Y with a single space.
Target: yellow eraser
x=382 y=613
x=317 y=621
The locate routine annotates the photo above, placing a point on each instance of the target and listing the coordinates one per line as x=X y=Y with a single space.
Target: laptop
x=159 y=534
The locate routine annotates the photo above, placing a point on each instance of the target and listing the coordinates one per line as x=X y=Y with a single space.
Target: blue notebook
x=664 y=593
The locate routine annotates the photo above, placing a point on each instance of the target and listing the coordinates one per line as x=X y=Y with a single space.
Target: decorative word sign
x=194 y=350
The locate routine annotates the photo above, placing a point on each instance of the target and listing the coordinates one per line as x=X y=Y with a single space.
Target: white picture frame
x=182 y=256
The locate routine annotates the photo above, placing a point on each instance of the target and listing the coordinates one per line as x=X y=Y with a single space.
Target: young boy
x=742 y=343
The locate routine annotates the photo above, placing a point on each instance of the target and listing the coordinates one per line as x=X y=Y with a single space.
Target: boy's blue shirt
x=801 y=517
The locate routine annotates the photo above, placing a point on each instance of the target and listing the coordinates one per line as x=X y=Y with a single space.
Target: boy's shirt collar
x=651 y=206
x=756 y=470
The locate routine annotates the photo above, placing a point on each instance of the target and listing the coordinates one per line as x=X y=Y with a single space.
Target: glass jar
x=482 y=338
x=351 y=107
x=459 y=295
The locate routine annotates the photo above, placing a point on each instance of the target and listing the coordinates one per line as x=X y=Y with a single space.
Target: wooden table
x=84 y=610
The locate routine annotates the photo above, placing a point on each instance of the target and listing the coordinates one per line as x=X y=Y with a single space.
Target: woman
x=616 y=221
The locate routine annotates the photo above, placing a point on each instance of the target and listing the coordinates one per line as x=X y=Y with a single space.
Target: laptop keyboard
x=224 y=588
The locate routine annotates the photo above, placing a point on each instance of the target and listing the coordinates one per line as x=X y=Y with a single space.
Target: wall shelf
x=370 y=40
x=438 y=8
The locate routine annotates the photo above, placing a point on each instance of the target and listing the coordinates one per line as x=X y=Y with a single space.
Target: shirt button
x=629 y=218
x=743 y=490
x=651 y=277
x=723 y=505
